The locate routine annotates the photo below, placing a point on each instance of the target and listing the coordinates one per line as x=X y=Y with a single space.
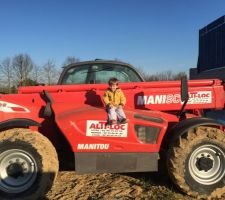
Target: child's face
x=113 y=87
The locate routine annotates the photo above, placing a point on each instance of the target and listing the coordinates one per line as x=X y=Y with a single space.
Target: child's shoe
x=113 y=122
x=124 y=121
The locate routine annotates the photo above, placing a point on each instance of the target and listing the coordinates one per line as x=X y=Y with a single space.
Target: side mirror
x=184 y=96
x=184 y=89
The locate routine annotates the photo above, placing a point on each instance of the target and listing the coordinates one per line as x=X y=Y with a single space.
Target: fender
x=18 y=122
x=182 y=127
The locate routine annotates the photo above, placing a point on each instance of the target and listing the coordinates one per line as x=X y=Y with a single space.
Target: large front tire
x=196 y=162
x=28 y=164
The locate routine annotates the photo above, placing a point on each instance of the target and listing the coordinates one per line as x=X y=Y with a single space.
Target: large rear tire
x=28 y=164
x=196 y=162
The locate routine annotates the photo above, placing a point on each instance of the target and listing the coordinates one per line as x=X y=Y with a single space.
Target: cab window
x=99 y=73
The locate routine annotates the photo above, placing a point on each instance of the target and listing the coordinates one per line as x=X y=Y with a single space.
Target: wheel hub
x=18 y=171
x=15 y=170
x=204 y=164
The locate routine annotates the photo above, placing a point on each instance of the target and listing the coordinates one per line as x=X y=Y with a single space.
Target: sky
x=154 y=35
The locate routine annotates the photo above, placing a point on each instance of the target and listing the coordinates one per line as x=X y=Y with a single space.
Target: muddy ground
x=108 y=186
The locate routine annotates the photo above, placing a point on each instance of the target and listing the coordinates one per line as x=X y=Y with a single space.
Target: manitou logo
x=201 y=97
x=93 y=146
x=158 y=99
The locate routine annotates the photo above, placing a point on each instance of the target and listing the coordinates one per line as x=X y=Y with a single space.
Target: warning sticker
x=101 y=129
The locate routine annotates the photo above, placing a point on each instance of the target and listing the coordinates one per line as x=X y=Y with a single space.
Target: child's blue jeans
x=115 y=112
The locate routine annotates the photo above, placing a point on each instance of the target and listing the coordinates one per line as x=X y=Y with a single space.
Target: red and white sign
x=200 y=97
x=101 y=129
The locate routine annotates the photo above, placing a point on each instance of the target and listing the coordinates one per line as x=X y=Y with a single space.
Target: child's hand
x=120 y=106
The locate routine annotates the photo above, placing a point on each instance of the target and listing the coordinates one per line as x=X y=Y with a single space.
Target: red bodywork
x=76 y=109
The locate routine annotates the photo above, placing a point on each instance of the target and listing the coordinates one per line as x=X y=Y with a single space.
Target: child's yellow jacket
x=114 y=98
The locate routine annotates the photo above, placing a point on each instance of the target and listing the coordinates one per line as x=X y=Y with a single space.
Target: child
x=115 y=100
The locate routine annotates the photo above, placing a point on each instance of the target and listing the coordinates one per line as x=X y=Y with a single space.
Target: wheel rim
x=206 y=164
x=18 y=171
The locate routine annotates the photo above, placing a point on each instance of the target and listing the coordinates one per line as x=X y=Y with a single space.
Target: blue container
x=212 y=46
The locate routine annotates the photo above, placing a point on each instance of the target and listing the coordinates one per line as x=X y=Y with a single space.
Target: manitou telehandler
x=40 y=122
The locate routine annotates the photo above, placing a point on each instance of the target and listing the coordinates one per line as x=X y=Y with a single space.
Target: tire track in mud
x=106 y=186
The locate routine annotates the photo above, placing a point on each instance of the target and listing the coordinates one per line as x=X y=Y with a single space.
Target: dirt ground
x=108 y=186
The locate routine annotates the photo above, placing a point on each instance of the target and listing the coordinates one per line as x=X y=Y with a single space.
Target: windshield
x=99 y=73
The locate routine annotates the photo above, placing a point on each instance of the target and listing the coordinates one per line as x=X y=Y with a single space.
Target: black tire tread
x=178 y=151
x=44 y=147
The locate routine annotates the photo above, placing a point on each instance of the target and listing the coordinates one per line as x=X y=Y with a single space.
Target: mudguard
x=18 y=122
x=183 y=126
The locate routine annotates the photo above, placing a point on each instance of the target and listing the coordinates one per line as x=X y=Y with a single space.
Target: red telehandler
x=41 y=122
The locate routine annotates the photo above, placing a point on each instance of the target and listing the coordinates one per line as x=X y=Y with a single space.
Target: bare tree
x=22 y=65
x=37 y=73
x=51 y=72
x=162 y=76
x=179 y=75
x=70 y=60
x=6 y=70
x=167 y=75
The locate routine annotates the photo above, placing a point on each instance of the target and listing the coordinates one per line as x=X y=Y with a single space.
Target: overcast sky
x=155 y=35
